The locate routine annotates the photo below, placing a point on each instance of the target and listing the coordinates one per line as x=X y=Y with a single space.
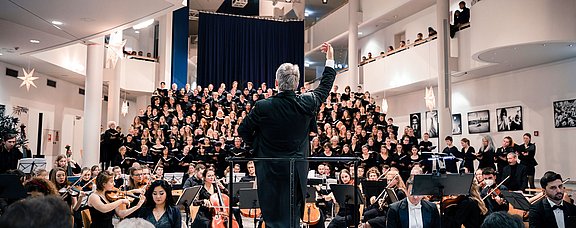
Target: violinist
x=118 y=179
x=465 y=210
x=494 y=202
x=85 y=180
x=345 y=216
x=102 y=209
x=38 y=186
x=60 y=180
x=95 y=169
x=160 y=209
x=375 y=215
x=204 y=215
x=552 y=211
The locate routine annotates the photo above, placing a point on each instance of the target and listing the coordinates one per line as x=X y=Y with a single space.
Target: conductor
x=278 y=127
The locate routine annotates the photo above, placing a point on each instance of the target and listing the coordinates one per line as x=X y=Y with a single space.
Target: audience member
x=43 y=211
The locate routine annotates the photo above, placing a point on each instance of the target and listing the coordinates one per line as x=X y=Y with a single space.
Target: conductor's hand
x=327 y=48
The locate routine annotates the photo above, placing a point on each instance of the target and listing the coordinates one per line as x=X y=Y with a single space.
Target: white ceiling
x=23 y=20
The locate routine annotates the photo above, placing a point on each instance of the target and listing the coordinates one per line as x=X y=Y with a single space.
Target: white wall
x=502 y=21
x=59 y=106
x=53 y=102
x=417 y=23
x=330 y=26
x=534 y=89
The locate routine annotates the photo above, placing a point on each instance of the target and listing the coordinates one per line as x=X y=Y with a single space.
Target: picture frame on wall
x=2 y=109
x=509 y=119
x=416 y=123
x=479 y=122
x=432 y=123
x=456 y=124
x=565 y=113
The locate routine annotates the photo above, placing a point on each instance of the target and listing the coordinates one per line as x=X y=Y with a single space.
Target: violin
x=449 y=201
x=221 y=202
x=116 y=194
x=496 y=190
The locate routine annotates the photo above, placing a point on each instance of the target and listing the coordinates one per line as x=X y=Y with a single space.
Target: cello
x=220 y=202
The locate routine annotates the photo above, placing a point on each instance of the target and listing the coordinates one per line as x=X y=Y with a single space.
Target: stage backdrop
x=242 y=49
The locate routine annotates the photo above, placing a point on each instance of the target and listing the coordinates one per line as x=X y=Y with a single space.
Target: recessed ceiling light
x=57 y=23
x=136 y=31
x=35 y=41
x=544 y=45
x=570 y=45
x=1 y=54
x=360 y=33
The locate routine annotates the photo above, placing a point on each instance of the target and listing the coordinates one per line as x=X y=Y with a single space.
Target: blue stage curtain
x=241 y=49
x=180 y=46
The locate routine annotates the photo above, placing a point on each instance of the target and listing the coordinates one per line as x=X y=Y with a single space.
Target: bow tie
x=561 y=207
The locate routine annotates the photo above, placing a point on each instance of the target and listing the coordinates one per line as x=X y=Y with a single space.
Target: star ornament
x=115 y=47
x=28 y=79
x=430 y=99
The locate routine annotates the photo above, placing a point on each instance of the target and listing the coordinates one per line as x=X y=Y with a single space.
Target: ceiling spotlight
x=57 y=23
x=35 y=41
x=324 y=1
x=1 y=54
x=136 y=31
x=570 y=45
x=360 y=33
x=288 y=1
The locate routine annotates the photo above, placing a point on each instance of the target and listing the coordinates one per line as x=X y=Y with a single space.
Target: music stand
x=174 y=178
x=517 y=200
x=373 y=188
x=238 y=176
x=311 y=195
x=441 y=185
x=11 y=187
x=29 y=165
x=249 y=200
x=187 y=198
x=344 y=195
x=237 y=186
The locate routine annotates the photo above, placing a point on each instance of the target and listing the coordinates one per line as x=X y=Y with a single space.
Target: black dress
x=486 y=158
x=99 y=219
x=469 y=158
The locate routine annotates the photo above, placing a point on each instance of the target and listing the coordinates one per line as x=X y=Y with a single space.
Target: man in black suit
x=518 y=173
x=412 y=212
x=278 y=127
x=552 y=211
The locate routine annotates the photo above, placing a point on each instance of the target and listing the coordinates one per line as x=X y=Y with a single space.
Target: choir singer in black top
x=278 y=127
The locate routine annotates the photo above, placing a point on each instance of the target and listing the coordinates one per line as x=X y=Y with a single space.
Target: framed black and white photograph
x=509 y=118
x=456 y=124
x=432 y=123
x=479 y=122
x=565 y=113
x=2 y=109
x=416 y=123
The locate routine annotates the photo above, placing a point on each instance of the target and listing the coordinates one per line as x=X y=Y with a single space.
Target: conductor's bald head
x=287 y=77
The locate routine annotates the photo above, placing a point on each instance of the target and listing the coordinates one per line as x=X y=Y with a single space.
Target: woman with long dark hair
x=160 y=209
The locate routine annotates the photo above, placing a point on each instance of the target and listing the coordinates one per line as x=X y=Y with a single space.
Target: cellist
x=204 y=216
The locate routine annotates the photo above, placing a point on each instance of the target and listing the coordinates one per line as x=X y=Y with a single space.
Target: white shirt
x=558 y=214
x=415 y=215
x=330 y=63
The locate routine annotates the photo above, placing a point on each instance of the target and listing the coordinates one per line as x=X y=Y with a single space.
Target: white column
x=114 y=94
x=165 y=50
x=93 y=102
x=353 y=7
x=444 y=80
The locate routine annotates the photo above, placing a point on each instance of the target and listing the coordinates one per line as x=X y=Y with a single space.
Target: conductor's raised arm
x=321 y=93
